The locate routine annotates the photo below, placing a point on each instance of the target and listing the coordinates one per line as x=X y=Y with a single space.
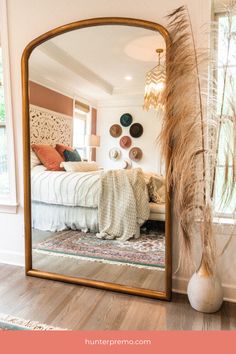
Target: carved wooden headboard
x=48 y=127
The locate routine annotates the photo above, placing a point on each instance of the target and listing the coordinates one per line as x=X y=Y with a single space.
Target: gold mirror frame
x=27 y=185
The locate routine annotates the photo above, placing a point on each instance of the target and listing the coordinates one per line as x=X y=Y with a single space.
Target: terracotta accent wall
x=43 y=97
x=94 y=129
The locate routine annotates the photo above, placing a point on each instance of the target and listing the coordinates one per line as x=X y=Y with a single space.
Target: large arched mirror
x=96 y=208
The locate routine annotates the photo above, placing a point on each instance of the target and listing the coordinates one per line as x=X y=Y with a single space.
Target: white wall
x=28 y=19
x=226 y=264
x=110 y=114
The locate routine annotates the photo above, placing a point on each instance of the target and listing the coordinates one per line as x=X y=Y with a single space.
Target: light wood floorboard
x=153 y=279
x=82 y=308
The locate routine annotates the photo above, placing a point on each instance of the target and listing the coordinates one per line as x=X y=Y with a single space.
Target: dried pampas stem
x=192 y=131
x=184 y=132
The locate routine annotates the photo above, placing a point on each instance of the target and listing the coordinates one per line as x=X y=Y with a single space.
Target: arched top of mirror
x=107 y=59
x=100 y=21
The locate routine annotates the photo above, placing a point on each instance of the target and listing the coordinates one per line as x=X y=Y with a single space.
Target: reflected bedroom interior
x=98 y=198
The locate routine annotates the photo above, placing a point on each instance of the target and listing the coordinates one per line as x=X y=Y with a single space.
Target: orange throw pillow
x=61 y=148
x=49 y=157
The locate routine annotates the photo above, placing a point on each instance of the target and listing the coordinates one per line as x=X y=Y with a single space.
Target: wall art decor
x=135 y=154
x=125 y=142
x=126 y=119
x=136 y=130
x=114 y=154
x=126 y=164
x=48 y=127
x=115 y=130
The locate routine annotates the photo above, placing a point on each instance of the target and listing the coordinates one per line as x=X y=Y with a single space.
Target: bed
x=62 y=200
x=157 y=211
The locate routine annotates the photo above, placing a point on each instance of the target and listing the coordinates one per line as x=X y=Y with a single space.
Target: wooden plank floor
x=82 y=308
x=153 y=279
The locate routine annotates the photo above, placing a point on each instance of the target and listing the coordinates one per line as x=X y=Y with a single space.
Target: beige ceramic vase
x=205 y=292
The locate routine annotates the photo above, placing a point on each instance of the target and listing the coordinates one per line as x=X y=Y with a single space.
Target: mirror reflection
x=97 y=177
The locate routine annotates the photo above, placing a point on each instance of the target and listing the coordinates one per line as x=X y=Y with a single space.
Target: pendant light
x=155 y=85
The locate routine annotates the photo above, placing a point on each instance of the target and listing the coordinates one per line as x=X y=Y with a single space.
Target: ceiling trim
x=122 y=101
x=60 y=56
x=131 y=90
x=39 y=79
x=57 y=86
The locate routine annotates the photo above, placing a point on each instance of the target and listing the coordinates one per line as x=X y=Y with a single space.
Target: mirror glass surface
x=98 y=203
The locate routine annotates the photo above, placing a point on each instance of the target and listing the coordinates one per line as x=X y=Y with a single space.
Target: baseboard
x=13 y=258
x=180 y=286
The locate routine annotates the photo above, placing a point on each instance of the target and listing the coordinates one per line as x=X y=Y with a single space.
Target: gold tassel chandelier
x=154 y=85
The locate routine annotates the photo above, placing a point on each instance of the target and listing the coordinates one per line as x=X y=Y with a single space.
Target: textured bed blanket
x=65 y=188
x=123 y=204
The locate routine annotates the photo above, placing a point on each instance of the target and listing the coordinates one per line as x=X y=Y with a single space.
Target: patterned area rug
x=148 y=250
x=11 y=323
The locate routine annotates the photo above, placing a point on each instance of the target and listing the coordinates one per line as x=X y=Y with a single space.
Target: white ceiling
x=93 y=62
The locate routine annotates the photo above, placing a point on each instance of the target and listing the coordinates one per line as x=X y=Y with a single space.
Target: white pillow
x=80 y=166
x=34 y=161
x=38 y=169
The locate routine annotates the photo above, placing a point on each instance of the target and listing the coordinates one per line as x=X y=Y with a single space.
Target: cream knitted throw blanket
x=123 y=204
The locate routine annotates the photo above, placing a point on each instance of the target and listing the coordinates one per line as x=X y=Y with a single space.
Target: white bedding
x=65 y=188
x=62 y=200
x=54 y=218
